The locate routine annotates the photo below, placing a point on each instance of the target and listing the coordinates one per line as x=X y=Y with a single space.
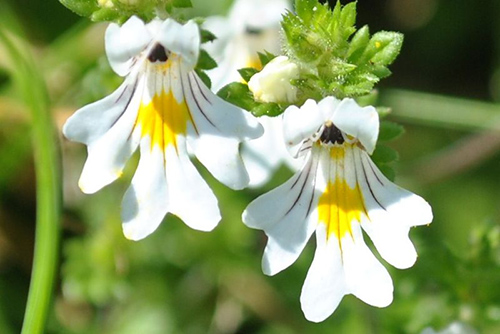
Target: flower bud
x=272 y=84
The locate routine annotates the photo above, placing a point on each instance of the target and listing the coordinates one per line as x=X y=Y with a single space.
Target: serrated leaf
x=318 y=37
x=83 y=8
x=384 y=154
x=305 y=9
x=204 y=77
x=238 y=94
x=267 y=109
x=358 y=44
x=383 y=48
x=301 y=41
x=389 y=47
x=389 y=131
x=205 y=61
x=247 y=72
x=207 y=36
x=347 y=20
x=182 y=3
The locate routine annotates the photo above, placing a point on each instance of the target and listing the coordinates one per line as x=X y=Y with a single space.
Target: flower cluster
x=337 y=191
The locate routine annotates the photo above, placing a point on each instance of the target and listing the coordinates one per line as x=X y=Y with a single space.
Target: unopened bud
x=272 y=84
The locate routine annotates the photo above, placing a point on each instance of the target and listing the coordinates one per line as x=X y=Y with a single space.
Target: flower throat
x=158 y=53
x=331 y=134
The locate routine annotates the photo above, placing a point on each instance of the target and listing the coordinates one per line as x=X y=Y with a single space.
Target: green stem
x=48 y=185
x=441 y=111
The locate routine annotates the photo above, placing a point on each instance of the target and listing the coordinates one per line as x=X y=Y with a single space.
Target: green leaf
x=182 y=3
x=381 y=71
x=319 y=39
x=369 y=99
x=383 y=48
x=107 y=14
x=302 y=43
x=81 y=7
x=347 y=19
x=358 y=44
x=247 y=72
x=384 y=154
x=267 y=109
x=207 y=36
x=389 y=131
x=205 y=61
x=383 y=111
x=204 y=77
x=238 y=94
x=305 y=8
x=265 y=57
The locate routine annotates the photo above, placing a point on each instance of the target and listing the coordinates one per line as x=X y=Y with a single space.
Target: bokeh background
x=444 y=90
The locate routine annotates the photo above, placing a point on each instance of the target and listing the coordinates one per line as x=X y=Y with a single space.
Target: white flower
x=272 y=84
x=252 y=26
x=262 y=156
x=163 y=106
x=338 y=191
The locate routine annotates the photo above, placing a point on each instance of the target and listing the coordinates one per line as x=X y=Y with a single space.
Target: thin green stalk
x=441 y=111
x=48 y=184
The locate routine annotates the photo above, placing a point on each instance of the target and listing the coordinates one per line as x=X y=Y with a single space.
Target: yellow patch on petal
x=339 y=206
x=338 y=152
x=163 y=119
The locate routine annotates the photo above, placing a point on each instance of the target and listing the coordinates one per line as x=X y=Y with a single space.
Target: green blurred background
x=182 y=281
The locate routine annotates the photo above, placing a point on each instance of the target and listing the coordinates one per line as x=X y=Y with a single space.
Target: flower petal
x=222 y=158
x=228 y=50
x=273 y=83
x=189 y=195
x=392 y=210
x=359 y=122
x=124 y=43
x=366 y=277
x=145 y=203
x=181 y=39
x=299 y=124
x=325 y=283
x=106 y=128
x=218 y=128
x=288 y=217
x=343 y=267
x=211 y=114
x=263 y=156
x=92 y=121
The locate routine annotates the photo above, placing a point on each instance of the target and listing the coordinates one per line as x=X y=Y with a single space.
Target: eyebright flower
x=164 y=107
x=338 y=191
x=252 y=26
x=272 y=84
